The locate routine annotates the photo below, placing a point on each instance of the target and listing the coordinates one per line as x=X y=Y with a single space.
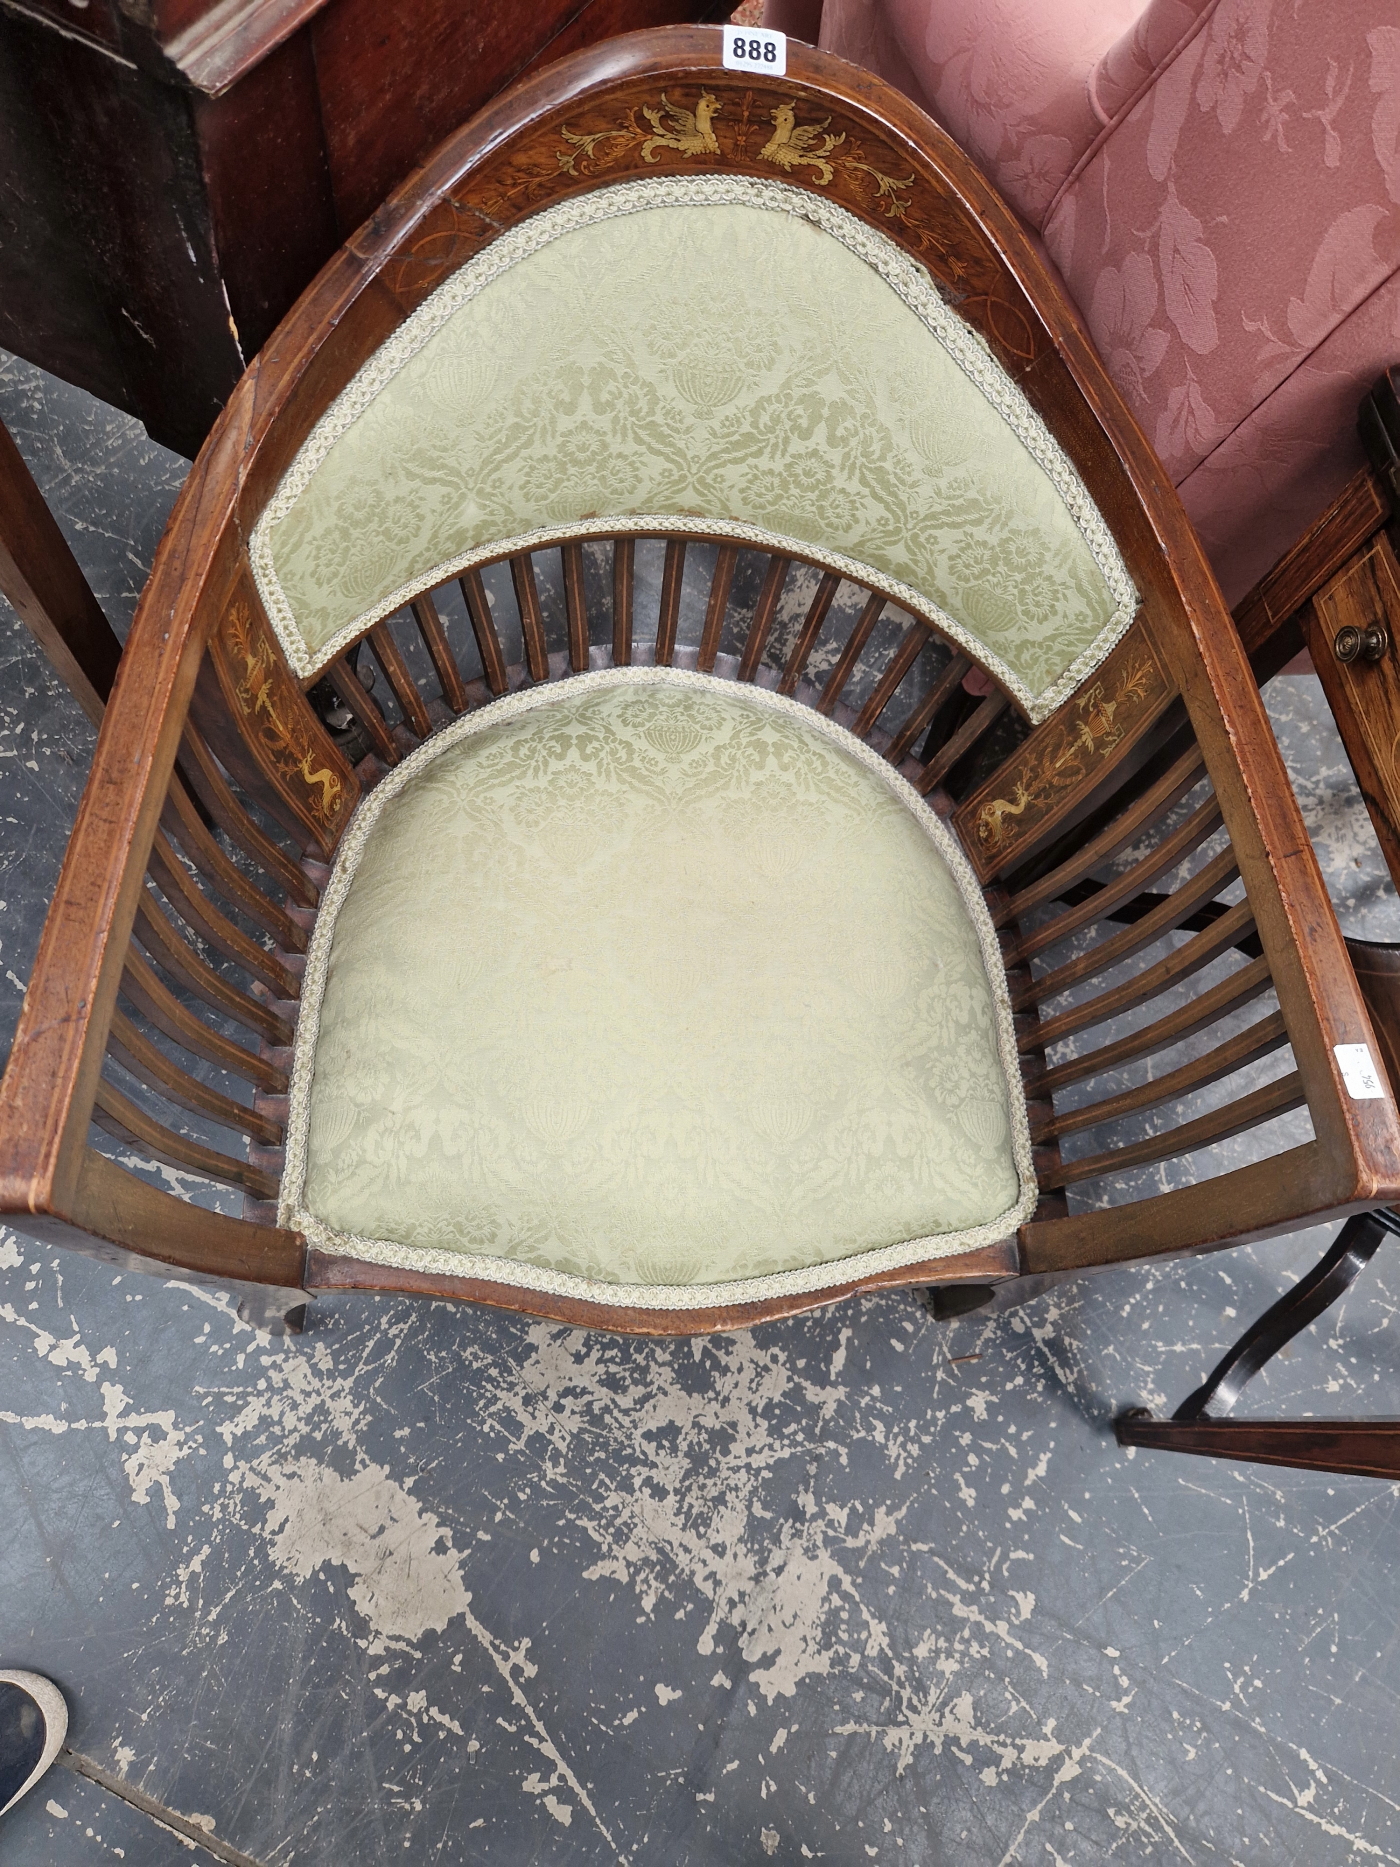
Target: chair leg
x=1368 y=1448
x=276 y=1311
x=1363 y=1448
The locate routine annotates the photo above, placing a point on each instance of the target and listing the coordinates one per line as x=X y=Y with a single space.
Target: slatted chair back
x=656 y=363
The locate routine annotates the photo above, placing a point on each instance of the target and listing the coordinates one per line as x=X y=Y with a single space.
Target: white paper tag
x=754 y=48
x=1363 y=1080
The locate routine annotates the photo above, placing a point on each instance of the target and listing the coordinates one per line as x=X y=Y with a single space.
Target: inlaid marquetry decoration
x=671 y=127
x=721 y=124
x=1053 y=765
x=272 y=705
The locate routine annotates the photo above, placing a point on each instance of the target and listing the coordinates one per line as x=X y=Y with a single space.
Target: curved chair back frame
x=218 y=796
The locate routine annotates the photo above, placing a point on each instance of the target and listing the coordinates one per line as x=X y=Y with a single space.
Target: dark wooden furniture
x=46 y=587
x=1337 y=592
x=208 y=726
x=173 y=173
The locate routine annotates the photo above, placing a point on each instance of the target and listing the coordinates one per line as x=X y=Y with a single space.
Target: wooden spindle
x=1166 y=917
x=1178 y=965
x=575 y=604
x=851 y=653
x=1130 y=882
x=1275 y=1098
x=932 y=704
x=198 y=912
x=668 y=619
x=185 y=825
x=1259 y=1039
x=118 y=1116
x=488 y=643
x=808 y=633
x=177 y=957
x=527 y=597
x=624 y=583
x=454 y=690
x=901 y=662
x=214 y=792
x=767 y=608
x=150 y=1065
x=143 y=988
x=1182 y=776
x=725 y=559
x=1241 y=988
x=351 y=690
x=973 y=728
x=396 y=672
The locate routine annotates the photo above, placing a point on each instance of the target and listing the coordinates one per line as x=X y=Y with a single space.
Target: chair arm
x=48 y=1089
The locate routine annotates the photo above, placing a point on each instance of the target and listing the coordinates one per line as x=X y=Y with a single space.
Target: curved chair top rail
x=615 y=114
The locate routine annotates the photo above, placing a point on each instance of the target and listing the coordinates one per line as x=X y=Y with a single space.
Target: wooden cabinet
x=174 y=172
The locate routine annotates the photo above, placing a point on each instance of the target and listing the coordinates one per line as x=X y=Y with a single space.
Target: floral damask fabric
x=1245 y=208
x=1221 y=193
x=714 y=354
x=651 y=986
x=1007 y=79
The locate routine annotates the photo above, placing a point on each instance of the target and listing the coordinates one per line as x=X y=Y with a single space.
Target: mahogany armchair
x=693 y=949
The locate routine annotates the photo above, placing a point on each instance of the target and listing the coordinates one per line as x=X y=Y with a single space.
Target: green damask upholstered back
x=712 y=354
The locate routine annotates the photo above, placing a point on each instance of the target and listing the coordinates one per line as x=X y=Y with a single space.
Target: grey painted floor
x=446 y=1586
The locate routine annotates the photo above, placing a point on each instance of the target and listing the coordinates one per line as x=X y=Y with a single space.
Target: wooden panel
x=1064 y=757
x=1359 y=510
x=395 y=80
x=1365 y=695
x=268 y=185
x=818 y=134
x=295 y=755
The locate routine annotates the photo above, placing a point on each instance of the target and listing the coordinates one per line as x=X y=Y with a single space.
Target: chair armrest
x=49 y=1087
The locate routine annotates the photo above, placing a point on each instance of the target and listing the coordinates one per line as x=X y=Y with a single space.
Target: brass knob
x=1353 y=644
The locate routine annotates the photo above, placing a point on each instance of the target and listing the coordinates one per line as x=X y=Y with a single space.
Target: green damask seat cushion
x=649 y=987
x=715 y=354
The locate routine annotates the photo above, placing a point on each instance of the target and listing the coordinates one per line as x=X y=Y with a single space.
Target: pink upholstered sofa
x=1218 y=182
